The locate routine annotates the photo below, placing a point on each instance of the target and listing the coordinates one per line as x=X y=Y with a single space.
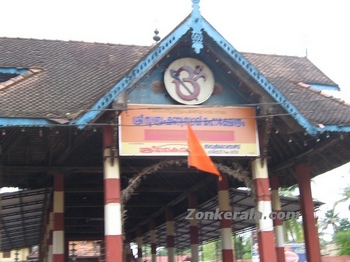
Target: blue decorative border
x=323 y=87
x=260 y=79
x=13 y=70
x=25 y=122
x=198 y=25
x=140 y=69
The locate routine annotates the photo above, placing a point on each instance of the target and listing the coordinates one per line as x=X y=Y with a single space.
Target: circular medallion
x=189 y=81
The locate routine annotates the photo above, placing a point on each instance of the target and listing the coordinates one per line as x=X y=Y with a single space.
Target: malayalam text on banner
x=161 y=130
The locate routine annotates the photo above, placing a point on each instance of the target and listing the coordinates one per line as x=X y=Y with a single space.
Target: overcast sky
x=318 y=28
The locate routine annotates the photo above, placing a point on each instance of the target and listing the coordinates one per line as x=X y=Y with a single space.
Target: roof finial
x=196 y=24
x=195 y=5
x=156 y=37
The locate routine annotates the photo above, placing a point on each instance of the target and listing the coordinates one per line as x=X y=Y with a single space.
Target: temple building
x=95 y=136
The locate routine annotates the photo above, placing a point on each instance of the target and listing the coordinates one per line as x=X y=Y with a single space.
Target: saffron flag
x=197 y=157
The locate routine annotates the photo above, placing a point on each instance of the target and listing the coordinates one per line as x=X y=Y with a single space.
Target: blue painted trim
x=197 y=26
x=324 y=87
x=334 y=128
x=140 y=69
x=260 y=79
x=24 y=122
x=13 y=70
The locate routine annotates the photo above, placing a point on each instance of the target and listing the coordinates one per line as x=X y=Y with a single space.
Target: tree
x=247 y=248
x=161 y=251
x=293 y=228
x=212 y=250
x=344 y=224
x=331 y=219
x=239 y=247
x=345 y=196
x=342 y=237
x=342 y=241
x=291 y=191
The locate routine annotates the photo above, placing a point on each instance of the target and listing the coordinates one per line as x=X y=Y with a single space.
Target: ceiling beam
x=50 y=169
x=160 y=190
x=303 y=157
x=177 y=200
x=73 y=169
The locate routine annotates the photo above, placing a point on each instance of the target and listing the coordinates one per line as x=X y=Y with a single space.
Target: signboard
x=255 y=247
x=161 y=130
x=293 y=252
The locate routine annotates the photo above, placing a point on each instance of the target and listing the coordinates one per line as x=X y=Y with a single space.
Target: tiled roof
x=281 y=69
x=74 y=75
x=70 y=77
x=292 y=76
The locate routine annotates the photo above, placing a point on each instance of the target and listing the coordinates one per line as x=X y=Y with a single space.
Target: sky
x=316 y=28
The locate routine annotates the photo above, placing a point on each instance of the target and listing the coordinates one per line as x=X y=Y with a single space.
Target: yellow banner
x=161 y=130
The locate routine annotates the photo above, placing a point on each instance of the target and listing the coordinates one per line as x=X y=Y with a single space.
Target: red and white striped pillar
x=277 y=223
x=153 y=237
x=303 y=176
x=225 y=224
x=194 y=238
x=139 y=244
x=170 y=234
x=58 y=219
x=113 y=216
x=267 y=251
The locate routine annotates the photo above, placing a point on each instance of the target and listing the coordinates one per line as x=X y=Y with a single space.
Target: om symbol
x=188 y=83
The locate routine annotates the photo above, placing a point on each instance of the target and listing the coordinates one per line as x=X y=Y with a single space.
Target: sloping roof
x=242 y=203
x=71 y=76
x=282 y=69
x=74 y=75
x=294 y=77
x=22 y=217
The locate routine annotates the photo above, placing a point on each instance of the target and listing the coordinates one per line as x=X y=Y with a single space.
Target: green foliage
x=146 y=250
x=344 y=224
x=162 y=251
x=289 y=191
x=293 y=228
x=247 y=256
x=342 y=239
x=239 y=247
x=243 y=247
x=293 y=231
x=212 y=251
x=247 y=248
x=331 y=219
x=345 y=196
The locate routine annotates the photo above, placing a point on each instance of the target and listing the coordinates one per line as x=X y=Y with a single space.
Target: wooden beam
x=303 y=157
x=72 y=169
x=177 y=200
x=53 y=169
x=161 y=190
